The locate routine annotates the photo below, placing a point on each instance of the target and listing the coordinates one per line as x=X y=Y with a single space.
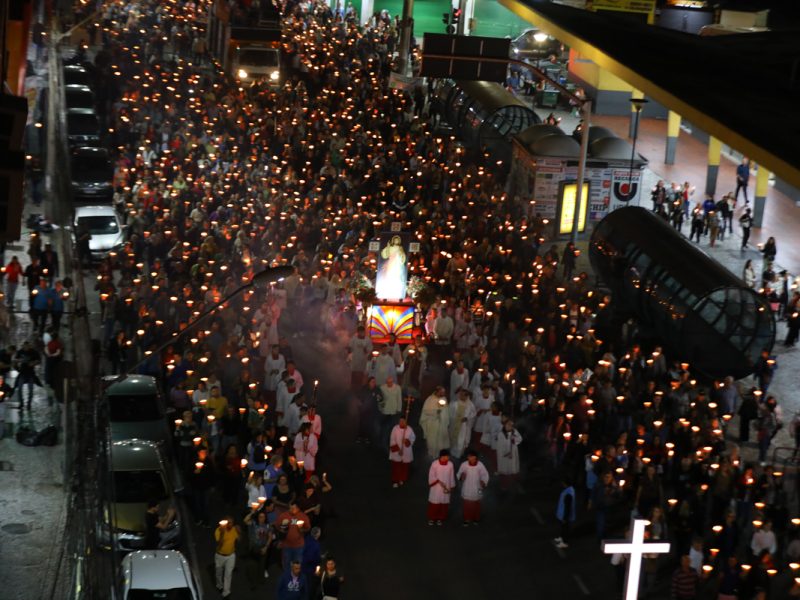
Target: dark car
x=77 y=75
x=83 y=127
x=92 y=174
x=78 y=96
x=533 y=43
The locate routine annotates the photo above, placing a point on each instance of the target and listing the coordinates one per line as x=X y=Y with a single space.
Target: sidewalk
x=32 y=491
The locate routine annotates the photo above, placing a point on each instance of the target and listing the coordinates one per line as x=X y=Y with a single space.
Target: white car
x=102 y=222
x=156 y=575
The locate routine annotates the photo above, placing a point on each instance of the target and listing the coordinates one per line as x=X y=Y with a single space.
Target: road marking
x=537 y=516
x=581 y=585
x=560 y=551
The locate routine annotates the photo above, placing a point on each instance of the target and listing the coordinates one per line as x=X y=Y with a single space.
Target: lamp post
x=267 y=276
x=638 y=105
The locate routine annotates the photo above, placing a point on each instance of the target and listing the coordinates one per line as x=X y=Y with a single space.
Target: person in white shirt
x=435 y=421
x=401 y=451
x=441 y=482
x=473 y=477
x=462 y=416
x=491 y=427
x=293 y=373
x=383 y=366
x=443 y=328
x=391 y=406
x=314 y=419
x=305 y=449
x=274 y=365
x=292 y=418
x=507 y=446
x=482 y=399
x=459 y=379
x=284 y=394
x=764 y=539
x=360 y=350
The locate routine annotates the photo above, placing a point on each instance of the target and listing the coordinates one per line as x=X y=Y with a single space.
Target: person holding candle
x=401 y=451
x=259 y=536
x=292 y=526
x=441 y=483
x=306 y=448
x=226 y=535
x=435 y=421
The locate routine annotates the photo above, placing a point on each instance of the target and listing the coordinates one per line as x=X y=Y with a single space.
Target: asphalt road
x=380 y=536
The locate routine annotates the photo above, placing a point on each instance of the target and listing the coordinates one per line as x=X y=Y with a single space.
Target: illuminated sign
x=633 y=6
x=566 y=216
x=385 y=319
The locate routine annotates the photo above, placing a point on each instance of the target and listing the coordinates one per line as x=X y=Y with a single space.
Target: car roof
x=132 y=385
x=90 y=151
x=95 y=211
x=156 y=570
x=135 y=455
x=81 y=111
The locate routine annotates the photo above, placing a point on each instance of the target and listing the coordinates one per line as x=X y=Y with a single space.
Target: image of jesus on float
x=390 y=284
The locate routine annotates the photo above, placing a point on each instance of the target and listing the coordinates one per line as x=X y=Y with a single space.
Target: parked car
x=78 y=96
x=92 y=174
x=158 y=574
x=83 y=127
x=141 y=473
x=136 y=409
x=76 y=75
x=107 y=234
x=533 y=43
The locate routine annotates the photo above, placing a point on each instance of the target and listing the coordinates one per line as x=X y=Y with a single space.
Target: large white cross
x=636 y=547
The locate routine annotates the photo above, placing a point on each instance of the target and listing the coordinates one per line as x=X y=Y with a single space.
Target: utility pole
x=407 y=25
x=586 y=109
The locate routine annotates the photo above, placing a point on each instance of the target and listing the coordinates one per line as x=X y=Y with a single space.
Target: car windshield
x=173 y=594
x=100 y=225
x=138 y=486
x=258 y=58
x=133 y=408
x=91 y=168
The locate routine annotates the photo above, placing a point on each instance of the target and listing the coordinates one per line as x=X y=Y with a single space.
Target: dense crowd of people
x=218 y=180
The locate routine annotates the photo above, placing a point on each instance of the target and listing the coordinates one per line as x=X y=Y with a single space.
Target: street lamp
x=638 y=105
x=267 y=276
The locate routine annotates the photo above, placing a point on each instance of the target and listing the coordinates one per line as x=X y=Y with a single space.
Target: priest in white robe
x=462 y=417
x=459 y=379
x=435 y=420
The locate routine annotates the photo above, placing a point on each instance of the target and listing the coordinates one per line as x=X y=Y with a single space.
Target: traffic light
x=456 y=17
x=449 y=29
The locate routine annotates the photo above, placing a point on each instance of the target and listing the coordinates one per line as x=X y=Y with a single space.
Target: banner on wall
x=631 y=6
x=625 y=188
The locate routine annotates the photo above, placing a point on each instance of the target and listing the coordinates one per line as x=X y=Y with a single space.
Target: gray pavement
x=32 y=491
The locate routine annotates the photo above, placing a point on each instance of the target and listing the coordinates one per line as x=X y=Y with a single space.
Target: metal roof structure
x=715 y=82
x=702 y=312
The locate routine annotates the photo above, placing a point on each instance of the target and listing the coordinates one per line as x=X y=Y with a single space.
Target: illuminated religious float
x=393 y=312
